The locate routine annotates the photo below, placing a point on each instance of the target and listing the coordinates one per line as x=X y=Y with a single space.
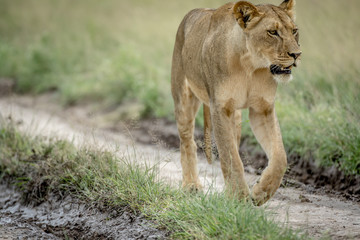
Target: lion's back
x=194 y=24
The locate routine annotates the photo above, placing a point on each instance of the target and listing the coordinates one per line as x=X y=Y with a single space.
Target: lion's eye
x=273 y=32
x=295 y=31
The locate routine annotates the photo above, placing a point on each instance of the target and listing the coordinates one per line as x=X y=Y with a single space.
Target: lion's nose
x=295 y=55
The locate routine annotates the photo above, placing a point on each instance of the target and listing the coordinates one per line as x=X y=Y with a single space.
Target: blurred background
x=114 y=53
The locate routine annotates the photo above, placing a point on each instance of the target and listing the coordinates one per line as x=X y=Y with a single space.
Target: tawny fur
x=222 y=58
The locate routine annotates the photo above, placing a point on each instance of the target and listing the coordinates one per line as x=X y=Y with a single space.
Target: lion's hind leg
x=186 y=107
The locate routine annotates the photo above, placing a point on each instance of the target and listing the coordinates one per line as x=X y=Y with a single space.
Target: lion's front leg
x=267 y=131
x=225 y=132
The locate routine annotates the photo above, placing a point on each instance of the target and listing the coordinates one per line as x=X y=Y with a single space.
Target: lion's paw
x=192 y=187
x=259 y=195
x=241 y=192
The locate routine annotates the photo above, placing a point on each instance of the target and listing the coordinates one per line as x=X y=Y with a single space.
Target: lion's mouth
x=276 y=69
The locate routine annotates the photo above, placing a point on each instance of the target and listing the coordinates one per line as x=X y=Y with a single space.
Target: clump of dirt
x=156 y=131
x=7 y=86
x=329 y=179
x=68 y=218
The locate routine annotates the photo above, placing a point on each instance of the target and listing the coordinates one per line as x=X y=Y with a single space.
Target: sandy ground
x=300 y=208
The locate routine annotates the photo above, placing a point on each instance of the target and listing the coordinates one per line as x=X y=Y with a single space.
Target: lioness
x=229 y=59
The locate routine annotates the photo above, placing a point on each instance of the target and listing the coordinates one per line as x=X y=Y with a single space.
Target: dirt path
x=298 y=207
x=68 y=218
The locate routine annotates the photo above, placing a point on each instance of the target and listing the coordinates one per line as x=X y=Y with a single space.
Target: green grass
x=117 y=52
x=39 y=166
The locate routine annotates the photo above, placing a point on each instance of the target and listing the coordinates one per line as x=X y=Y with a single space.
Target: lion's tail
x=207 y=134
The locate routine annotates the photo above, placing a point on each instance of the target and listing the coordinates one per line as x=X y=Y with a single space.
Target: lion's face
x=272 y=37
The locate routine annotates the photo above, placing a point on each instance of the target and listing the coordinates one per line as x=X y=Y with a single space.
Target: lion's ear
x=245 y=12
x=289 y=7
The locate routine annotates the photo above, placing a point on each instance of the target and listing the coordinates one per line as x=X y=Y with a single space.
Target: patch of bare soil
x=298 y=205
x=68 y=218
x=7 y=86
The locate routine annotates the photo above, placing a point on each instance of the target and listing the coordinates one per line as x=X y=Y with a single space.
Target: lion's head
x=271 y=36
